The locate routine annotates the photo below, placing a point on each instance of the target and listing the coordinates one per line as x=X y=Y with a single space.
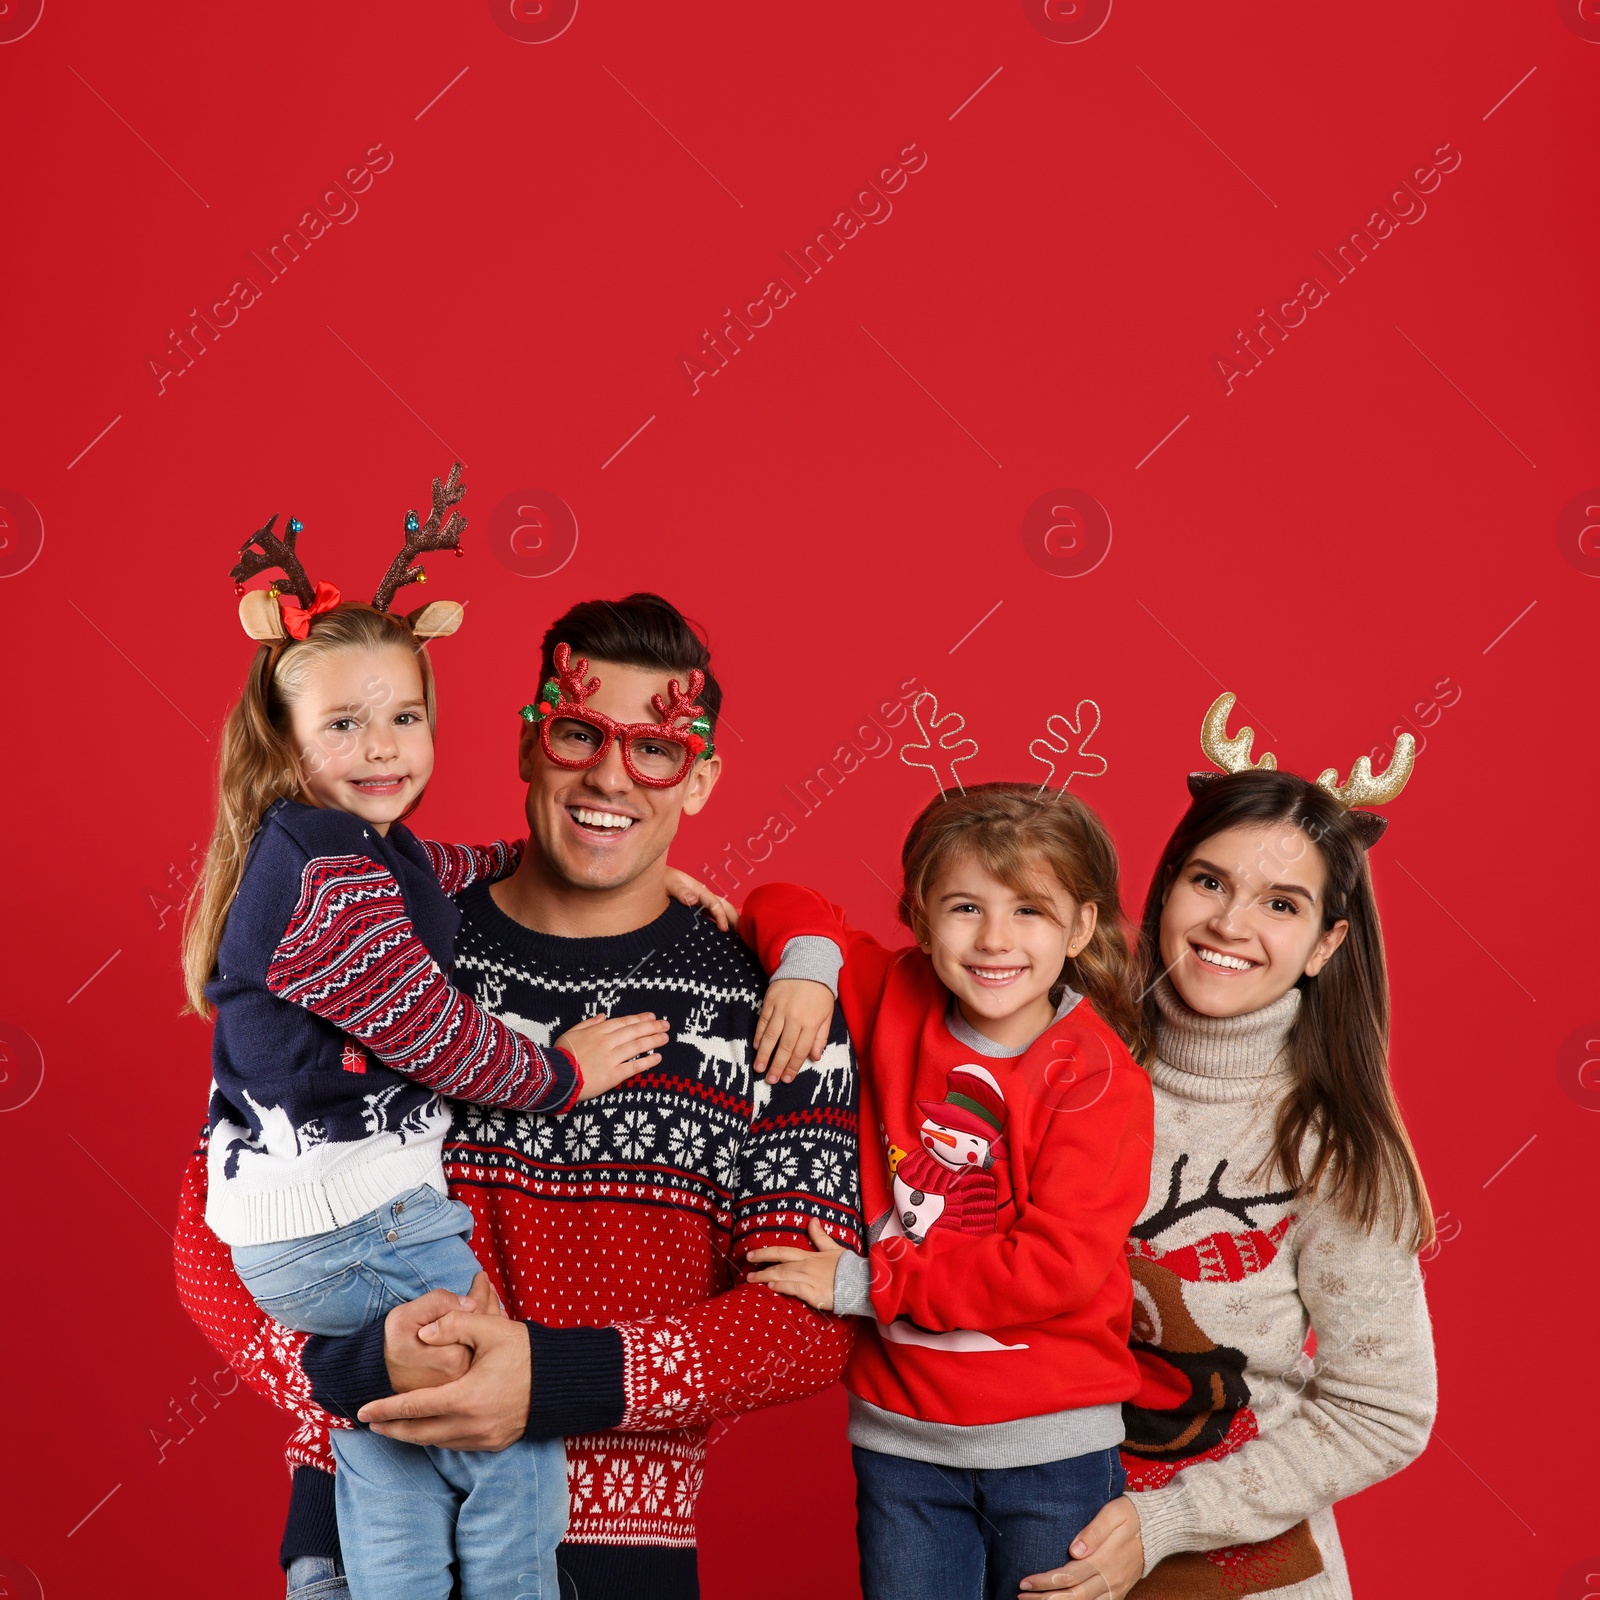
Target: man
x=619 y=1230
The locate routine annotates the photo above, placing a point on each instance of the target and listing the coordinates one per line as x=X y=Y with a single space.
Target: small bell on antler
x=296 y=525
x=238 y=588
x=412 y=524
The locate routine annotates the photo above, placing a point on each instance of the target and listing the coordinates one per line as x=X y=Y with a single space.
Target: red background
x=1360 y=520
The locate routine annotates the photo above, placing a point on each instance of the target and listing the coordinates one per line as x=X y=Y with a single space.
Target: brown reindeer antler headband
x=1361 y=788
x=266 y=615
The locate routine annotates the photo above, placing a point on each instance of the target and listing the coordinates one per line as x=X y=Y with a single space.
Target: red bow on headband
x=297 y=622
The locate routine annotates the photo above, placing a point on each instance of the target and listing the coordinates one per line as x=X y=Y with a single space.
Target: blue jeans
x=960 y=1533
x=414 y=1517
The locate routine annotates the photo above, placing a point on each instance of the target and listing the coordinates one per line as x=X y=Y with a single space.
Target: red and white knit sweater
x=618 y=1230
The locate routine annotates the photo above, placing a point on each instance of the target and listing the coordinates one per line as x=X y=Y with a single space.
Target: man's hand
x=795 y=1018
x=415 y=1365
x=487 y=1409
x=805 y=1274
x=1108 y=1558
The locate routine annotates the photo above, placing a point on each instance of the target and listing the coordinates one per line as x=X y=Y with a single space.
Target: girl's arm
x=459 y=866
x=799 y=935
x=1366 y=1414
x=351 y=955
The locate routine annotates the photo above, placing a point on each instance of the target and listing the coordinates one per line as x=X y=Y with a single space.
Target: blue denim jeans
x=414 y=1518
x=959 y=1533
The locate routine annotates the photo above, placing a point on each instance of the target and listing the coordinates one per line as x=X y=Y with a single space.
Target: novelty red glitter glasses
x=656 y=754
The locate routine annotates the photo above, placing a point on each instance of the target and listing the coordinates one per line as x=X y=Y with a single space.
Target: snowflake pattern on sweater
x=634 y=1211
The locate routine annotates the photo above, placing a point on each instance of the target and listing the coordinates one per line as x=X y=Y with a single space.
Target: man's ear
x=700 y=782
x=527 y=743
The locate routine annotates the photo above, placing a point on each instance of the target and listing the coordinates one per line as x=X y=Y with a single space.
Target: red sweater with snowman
x=998 y=1191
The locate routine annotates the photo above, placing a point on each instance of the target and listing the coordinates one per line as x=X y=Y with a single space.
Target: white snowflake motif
x=582 y=1136
x=725 y=1164
x=686 y=1142
x=541 y=1135
x=617 y=1485
x=483 y=1122
x=827 y=1172
x=668 y=1351
x=775 y=1169
x=635 y=1135
x=685 y=1491
x=653 y=1486
x=580 y=1482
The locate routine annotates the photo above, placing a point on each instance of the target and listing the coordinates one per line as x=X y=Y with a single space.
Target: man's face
x=595 y=827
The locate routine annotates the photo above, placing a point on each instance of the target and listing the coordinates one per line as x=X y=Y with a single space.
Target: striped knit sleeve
x=352 y=956
x=459 y=866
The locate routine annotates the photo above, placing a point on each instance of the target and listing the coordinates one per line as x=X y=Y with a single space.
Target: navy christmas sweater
x=337 y=1029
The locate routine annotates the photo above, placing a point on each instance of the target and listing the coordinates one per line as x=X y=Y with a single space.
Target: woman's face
x=1243 y=919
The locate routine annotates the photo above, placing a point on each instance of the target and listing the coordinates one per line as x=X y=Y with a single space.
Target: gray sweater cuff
x=852 y=1283
x=1166 y=1523
x=811 y=956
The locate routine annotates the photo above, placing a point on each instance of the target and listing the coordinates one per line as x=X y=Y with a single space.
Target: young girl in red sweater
x=1005 y=1151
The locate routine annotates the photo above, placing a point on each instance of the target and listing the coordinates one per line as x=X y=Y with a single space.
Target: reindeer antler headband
x=266 y=615
x=1361 y=788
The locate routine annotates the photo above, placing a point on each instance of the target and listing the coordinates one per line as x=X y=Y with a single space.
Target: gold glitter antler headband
x=1232 y=755
x=1360 y=789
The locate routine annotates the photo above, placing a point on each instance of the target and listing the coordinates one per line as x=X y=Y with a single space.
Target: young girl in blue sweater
x=319 y=941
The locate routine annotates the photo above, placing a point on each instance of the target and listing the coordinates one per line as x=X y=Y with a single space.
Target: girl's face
x=361 y=736
x=1243 y=918
x=999 y=952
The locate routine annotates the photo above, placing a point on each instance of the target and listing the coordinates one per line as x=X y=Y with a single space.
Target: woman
x=1284 y=1198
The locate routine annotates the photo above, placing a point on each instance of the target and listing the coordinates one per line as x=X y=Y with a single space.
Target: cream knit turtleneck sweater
x=1230 y=1273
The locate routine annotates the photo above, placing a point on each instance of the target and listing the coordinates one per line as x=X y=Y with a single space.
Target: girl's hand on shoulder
x=694 y=893
x=795 y=1018
x=805 y=1274
x=1108 y=1558
x=610 y=1050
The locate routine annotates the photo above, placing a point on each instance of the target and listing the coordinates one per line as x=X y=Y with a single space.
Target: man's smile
x=593 y=821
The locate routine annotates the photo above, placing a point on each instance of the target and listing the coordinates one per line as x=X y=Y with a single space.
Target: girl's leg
x=919 y=1530
x=396 y=1518
x=1031 y=1515
x=512 y=1515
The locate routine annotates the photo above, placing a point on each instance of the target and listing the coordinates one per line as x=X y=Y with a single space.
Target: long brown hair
x=1023 y=838
x=1338 y=1047
x=258 y=765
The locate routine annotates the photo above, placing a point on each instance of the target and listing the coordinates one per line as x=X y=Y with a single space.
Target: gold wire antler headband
x=1360 y=789
x=266 y=615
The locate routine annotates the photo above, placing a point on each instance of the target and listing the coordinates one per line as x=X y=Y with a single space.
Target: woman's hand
x=694 y=893
x=795 y=1018
x=805 y=1274
x=610 y=1050
x=1108 y=1558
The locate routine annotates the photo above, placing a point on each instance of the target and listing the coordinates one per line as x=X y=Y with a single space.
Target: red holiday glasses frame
x=561 y=700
